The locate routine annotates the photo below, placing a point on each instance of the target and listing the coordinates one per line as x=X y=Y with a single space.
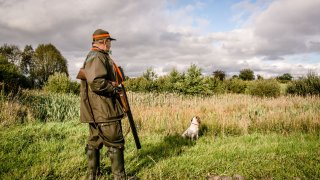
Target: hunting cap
x=101 y=34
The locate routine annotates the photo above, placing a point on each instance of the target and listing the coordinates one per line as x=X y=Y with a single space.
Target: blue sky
x=218 y=13
x=222 y=15
x=271 y=37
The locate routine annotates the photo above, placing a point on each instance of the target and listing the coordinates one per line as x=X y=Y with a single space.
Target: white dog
x=193 y=131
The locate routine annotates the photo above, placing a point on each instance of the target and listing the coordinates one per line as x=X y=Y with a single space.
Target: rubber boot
x=93 y=162
x=117 y=163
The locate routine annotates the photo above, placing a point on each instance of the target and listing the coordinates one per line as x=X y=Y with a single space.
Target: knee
x=90 y=149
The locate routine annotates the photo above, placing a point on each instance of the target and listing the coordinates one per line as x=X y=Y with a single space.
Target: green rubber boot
x=117 y=163
x=93 y=162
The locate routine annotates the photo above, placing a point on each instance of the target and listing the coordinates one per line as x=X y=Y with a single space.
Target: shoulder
x=95 y=56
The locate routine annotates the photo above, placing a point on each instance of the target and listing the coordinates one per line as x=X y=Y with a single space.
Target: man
x=100 y=108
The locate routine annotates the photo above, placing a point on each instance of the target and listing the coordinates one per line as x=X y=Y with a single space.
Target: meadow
x=259 y=138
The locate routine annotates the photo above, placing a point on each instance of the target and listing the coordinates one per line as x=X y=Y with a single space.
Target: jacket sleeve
x=96 y=74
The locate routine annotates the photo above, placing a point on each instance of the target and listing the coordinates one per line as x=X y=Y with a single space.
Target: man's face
x=108 y=44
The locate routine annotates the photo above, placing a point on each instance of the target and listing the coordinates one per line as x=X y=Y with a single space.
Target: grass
x=259 y=138
x=56 y=151
x=255 y=156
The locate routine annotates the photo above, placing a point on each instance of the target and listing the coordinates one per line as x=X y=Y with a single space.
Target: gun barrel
x=131 y=122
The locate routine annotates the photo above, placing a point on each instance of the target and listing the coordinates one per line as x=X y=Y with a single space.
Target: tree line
x=46 y=68
x=193 y=82
x=29 y=68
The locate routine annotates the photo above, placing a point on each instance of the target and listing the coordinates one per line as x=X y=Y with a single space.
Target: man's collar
x=95 y=48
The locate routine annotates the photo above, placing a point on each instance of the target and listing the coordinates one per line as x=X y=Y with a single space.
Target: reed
x=232 y=114
x=226 y=114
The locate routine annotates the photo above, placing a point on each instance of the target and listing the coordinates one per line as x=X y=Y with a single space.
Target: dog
x=193 y=131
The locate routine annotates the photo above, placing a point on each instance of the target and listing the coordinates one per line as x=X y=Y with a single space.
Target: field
x=259 y=138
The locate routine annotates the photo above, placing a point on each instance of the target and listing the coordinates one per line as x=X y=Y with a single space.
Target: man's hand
x=116 y=87
x=114 y=84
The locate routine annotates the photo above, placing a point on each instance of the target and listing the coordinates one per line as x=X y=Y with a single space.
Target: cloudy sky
x=271 y=37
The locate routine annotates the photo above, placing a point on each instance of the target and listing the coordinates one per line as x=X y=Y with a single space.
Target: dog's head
x=196 y=120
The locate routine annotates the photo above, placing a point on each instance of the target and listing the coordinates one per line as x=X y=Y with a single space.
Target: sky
x=270 y=37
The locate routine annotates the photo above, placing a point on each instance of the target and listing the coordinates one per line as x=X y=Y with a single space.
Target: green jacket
x=98 y=102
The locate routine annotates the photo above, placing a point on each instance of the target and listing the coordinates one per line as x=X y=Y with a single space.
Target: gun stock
x=81 y=74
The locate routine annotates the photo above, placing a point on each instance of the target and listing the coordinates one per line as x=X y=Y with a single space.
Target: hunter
x=100 y=108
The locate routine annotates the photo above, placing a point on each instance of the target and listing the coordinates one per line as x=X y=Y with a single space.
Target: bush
x=60 y=83
x=236 y=86
x=264 y=88
x=141 y=84
x=305 y=86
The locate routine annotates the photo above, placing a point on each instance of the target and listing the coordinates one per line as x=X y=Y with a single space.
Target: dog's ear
x=198 y=119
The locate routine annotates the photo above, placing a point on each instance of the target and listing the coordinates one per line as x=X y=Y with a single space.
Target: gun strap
x=119 y=77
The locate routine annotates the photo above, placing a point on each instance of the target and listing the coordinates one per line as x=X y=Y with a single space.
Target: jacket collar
x=94 y=48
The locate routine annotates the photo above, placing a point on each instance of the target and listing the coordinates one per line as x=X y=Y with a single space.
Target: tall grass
x=227 y=114
x=259 y=138
x=232 y=114
x=37 y=106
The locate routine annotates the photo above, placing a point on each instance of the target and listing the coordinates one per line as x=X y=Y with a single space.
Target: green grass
x=259 y=138
x=55 y=150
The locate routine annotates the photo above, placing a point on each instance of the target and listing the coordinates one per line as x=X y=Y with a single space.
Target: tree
x=286 y=77
x=149 y=75
x=26 y=59
x=259 y=77
x=46 y=60
x=219 y=74
x=10 y=77
x=173 y=81
x=193 y=80
x=235 y=77
x=12 y=53
x=246 y=75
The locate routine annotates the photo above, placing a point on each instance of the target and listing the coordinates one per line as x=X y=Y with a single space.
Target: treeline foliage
x=10 y=76
x=192 y=82
x=305 y=86
x=29 y=68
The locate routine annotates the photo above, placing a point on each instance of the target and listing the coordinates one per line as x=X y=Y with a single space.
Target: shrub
x=305 y=86
x=236 y=86
x=60 y=83
x=264 y=88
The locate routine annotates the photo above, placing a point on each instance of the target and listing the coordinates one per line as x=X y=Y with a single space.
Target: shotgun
x=122 y=95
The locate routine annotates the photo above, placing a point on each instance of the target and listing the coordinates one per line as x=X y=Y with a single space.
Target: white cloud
x=150 y=35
